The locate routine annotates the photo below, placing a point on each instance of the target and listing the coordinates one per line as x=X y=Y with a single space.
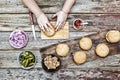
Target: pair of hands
x=45 y=25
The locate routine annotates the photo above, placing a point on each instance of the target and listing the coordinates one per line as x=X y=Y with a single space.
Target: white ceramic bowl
x=18 y=39
x=81 y=26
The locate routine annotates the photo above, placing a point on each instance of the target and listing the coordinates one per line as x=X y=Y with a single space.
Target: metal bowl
x=22 y=65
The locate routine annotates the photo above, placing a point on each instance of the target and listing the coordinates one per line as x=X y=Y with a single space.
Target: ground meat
x=51 y=62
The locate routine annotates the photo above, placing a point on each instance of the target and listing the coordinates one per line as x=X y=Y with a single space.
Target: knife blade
x=32 y=24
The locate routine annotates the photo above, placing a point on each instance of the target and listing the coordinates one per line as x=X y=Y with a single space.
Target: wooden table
x=101 y=14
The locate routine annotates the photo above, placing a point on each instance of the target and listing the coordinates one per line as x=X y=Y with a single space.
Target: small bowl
x=18 y=39
x=78 y=24
x=50 y=70
x=29 y=67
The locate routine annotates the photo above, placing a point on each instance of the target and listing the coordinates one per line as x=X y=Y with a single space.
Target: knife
x=32 y=23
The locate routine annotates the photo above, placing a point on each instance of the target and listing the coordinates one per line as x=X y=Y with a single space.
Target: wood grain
x=96 y=22
x=8 y=56
x=101 y=15
x=63 y=74
x=39 y=43
x=52 y=6
x=96 y=74
x=74 y=46
x=9 y=60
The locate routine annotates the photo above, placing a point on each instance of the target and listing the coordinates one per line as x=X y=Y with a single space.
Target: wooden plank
x=9 y=59
x=76 y=74
x=52 y=6
x=20 y=74
x=96 y=22
x=35 y=45
x=101 y=68
x=63 y=74
x=91 y=55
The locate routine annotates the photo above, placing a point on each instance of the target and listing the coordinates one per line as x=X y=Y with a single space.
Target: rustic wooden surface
x=74 y=46
x=101 y=15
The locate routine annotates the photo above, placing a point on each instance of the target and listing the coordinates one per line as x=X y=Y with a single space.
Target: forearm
x=32 y=5
x=68 y=5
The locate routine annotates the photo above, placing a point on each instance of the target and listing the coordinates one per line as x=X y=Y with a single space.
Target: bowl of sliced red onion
x=18 y=39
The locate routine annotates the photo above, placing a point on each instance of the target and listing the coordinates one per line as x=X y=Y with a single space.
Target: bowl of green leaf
x=27 y=59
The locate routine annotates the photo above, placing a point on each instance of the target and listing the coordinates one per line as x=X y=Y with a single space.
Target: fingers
x=41 y=27
x=59 y=26
x=46 y=27
x=56 y=27
x=54 y=15
x=50 y=26
x=62 y=25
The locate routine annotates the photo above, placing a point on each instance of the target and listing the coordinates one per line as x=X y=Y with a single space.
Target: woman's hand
x=61 y=18
x=44 y=23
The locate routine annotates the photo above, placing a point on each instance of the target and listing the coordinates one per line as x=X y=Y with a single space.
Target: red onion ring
x=18 y=39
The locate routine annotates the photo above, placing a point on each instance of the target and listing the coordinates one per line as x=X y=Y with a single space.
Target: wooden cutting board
x=74 y=46
x=61 y=34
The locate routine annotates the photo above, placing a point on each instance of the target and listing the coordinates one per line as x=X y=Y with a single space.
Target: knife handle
x=31 y=18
